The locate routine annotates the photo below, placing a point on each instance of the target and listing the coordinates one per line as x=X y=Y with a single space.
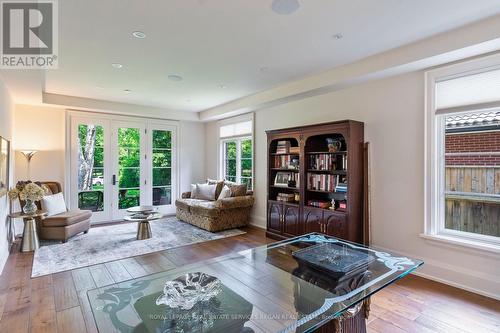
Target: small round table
x=148 y=213
x=30 y=237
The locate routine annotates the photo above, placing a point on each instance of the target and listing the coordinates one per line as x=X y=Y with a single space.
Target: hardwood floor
x=58 y=302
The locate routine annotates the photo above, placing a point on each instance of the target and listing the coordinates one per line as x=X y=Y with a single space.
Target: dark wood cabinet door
x=312 y=218
x=291 y=222
x=334 y=224
x=274 y=217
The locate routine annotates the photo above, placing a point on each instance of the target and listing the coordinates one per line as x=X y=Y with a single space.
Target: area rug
x=114 y=242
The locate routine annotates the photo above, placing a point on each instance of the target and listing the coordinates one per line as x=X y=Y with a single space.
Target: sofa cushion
x=185 y=203
x=67 y=218
x=225 y=193
x=219 y=183
x=204 y=208
x=235 y=202
x=205 y=191
x=54 y=204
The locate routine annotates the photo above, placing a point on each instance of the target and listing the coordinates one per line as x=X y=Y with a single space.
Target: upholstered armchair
x=64 y=225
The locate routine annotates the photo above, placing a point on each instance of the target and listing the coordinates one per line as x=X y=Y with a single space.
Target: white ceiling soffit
x=468 y=41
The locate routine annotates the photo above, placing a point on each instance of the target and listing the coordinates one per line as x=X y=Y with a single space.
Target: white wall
x=191 y=154
x=6 y=119
x=393 y=112
x=42 y=129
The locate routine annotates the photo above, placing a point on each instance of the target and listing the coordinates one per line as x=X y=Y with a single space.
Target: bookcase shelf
x=344 y=167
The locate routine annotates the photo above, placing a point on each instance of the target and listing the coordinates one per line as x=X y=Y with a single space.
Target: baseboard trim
x=433 y=265
x=457 y=285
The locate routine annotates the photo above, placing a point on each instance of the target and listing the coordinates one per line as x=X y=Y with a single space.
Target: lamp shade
x=28 y=153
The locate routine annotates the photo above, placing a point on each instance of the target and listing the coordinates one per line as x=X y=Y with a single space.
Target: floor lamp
x=28 y=154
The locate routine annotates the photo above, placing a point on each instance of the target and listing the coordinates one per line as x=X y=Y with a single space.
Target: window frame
x=434 y=186
x=238 y=138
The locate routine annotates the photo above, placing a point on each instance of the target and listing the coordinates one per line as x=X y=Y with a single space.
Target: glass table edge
x=338 y=313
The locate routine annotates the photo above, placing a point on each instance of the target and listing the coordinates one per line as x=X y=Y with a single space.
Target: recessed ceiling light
x=116 y=65
x=139 y=34
x=263 y=68
x=338 y=36
x=175 y=77
x=127 y=91
x=285 y=7
x=222 y=86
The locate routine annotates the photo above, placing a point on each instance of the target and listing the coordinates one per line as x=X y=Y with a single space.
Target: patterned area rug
x=103 y=244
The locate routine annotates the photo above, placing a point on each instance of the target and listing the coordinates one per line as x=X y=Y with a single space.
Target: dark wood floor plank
x=133 y=267
x=82 y=279
x=71 y=320
x=101 y=275
x=118 y=271
x=43 y=311
x=64 y=291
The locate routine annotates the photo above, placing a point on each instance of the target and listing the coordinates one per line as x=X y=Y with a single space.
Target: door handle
x=113 y=181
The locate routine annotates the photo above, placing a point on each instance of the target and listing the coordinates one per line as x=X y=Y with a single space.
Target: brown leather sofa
x=64 y=225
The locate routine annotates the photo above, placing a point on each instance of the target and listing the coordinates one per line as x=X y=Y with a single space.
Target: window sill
x=458 y=241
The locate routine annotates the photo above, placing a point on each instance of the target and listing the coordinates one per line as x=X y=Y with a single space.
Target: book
x=283 y=147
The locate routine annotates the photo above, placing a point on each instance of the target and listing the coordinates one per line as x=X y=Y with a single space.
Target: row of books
x=285 y=162
x=286 y=197
x=322 y=182
x=283 y=147
x=327 y=162
x=329 y=183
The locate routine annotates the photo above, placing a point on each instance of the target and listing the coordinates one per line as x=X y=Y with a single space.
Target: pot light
x=127 y=91
x=222 y=86
x=285 y=7
x=116 y=65
x=263 y=68
x=139 y=34
x=338 y=36
x=175 y=77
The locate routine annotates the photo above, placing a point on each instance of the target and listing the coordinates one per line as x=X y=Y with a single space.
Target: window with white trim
x=236 y=151
x=463 y=153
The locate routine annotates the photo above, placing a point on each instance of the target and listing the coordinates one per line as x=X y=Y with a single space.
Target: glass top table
x=296 y=285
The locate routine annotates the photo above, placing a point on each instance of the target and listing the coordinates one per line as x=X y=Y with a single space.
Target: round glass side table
x=30 y=236
x=143 y=215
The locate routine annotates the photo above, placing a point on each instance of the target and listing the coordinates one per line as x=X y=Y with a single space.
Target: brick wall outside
x=474 y=142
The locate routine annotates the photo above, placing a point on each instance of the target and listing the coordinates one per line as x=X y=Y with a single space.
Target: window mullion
x=238 y=161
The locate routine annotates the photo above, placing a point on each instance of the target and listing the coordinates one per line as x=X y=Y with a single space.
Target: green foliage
x=129 y=161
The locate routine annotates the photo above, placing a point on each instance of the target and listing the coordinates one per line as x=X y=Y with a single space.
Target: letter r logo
x=27 y=28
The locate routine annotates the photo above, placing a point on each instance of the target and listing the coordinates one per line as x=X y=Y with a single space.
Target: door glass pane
x=90 y=142
x=129 y=171
x=162 y=167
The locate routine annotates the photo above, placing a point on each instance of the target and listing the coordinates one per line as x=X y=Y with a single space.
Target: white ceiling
x=227 y=42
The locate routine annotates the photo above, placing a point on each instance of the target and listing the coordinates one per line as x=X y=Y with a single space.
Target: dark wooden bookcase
x=289 y=219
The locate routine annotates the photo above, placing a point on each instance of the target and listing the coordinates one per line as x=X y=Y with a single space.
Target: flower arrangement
x=29 y=192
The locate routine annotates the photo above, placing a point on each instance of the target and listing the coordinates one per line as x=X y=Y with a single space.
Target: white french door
x=121 y=163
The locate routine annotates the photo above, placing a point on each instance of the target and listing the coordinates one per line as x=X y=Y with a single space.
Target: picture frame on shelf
x=282 y=178
x=4 y=165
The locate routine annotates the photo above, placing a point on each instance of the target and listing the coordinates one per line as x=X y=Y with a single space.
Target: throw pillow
x=193 y=191
x=54 y=204
x=225 y=193
x=219 y=183
x=237 y=190
x=205 y=191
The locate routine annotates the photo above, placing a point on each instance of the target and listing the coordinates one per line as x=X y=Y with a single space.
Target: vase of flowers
x=28 y=192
